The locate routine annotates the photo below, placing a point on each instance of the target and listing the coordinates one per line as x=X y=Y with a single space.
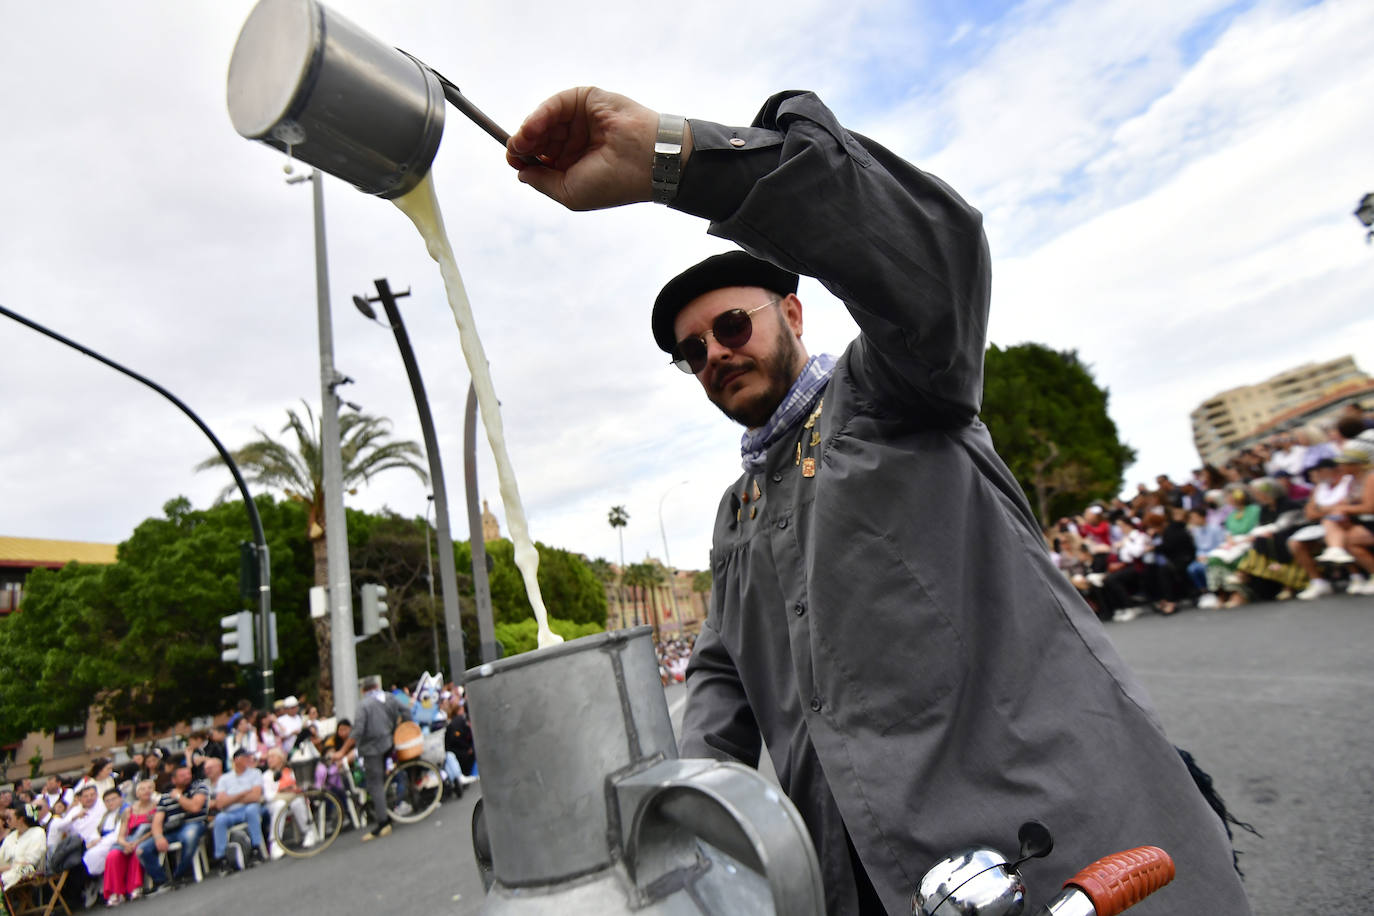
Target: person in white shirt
x=238 y=800
x=24 y=848
x=1332 y=489
x=54 y=791
x=289 y=724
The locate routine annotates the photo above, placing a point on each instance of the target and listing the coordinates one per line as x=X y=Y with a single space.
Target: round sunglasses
x=731 y=329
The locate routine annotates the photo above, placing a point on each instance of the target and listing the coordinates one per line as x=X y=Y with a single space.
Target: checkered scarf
x=800 y=399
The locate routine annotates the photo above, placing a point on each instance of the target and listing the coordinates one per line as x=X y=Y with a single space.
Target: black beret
x=733 y=268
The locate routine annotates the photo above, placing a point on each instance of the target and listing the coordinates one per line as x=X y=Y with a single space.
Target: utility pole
x=448 y=577
x=486 y=628
x=343 y=654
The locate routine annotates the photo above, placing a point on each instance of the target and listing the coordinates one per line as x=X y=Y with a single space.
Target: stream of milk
x=422 y=206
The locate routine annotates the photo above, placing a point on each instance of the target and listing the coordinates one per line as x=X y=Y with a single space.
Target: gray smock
x=883 y=608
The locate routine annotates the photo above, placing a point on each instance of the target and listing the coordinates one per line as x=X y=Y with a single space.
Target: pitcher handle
x=734 y=809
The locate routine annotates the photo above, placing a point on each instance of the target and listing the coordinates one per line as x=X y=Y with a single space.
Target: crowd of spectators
x=672 y=657
x=1291 y=517
x=111 y=827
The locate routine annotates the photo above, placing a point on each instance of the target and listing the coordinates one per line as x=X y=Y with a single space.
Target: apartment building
x=1225 y=421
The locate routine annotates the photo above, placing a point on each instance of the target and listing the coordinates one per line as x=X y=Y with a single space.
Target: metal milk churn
x=587 y=809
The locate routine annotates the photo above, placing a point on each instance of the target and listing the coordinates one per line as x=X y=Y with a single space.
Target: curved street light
x=254 y=521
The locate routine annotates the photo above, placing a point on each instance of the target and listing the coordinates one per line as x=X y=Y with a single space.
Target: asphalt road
x=1274 y=700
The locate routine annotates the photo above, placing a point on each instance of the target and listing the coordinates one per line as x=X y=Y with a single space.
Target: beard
x=779 y=367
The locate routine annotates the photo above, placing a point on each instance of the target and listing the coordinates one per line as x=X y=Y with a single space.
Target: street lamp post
x=448 y=577
x=343 y=654
x=429 y=577
x=672 y=579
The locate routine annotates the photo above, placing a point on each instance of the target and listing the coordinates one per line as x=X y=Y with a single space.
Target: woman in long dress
x=123 y=872
x=94 y=856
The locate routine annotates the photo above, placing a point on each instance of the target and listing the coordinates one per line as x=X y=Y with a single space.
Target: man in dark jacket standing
x=378 y=715
x=883 y=606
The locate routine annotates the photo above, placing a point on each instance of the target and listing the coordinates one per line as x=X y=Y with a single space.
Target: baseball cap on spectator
x=290 y=702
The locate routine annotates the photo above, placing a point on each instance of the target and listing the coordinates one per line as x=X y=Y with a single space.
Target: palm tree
x=619 y=518
x=364 y=448
x=645 y=578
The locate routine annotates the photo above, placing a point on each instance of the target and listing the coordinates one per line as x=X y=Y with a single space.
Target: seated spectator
x=123 y=873
x=1097 y=533
x=179 y=818
x=107 y=833
x=193 y=754
x=1318 y=444
x=244 y=737
x=1332 y=488
x=238 y=800
x=332 y=774
x=1122 y=592
x=269 y=736
x=24 y=848
x=242 y=708
x=216 y=746
x=342 y=732
x=102 y=774
x=290 y=723
x=1173 y=551
x=1353 y=532
x=1206 y=538
x=52 y=824
x=460 y=755
x=54 y=791
x=280 y=791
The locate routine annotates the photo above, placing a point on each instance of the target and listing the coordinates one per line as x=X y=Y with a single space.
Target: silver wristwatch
x=668 y=157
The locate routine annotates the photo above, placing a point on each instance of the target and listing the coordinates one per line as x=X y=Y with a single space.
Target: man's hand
x=597 y=148
x=161 y=843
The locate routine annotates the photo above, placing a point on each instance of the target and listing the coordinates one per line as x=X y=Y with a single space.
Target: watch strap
x=667 y=170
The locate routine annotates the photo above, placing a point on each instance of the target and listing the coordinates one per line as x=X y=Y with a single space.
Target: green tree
x=522 y=635
x=365 y=448
x=390 y=550
x=138 y=640
x=568 y=584
x=1049 y=421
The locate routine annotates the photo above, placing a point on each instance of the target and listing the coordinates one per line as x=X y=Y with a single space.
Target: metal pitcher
x=307 y=81
x=586 y=808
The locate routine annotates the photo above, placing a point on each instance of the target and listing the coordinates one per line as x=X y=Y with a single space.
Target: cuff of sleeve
x=726 y=162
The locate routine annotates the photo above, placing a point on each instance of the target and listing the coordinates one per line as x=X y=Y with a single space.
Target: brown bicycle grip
x=1124 y=879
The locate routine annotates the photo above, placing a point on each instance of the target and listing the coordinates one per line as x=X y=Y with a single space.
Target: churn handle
x=739 y=812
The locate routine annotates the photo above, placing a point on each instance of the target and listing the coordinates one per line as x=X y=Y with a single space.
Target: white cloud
x=1141 y=210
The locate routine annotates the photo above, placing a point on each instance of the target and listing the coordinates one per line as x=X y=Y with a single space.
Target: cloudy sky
x=1168 y=189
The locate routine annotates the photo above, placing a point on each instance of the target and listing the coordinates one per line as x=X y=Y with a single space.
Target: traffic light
x=237 y=638
x=248 y=571
x=374 y=609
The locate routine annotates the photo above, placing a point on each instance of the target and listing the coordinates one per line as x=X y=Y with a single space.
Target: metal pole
x=254 y=521
x=672 y=579
x=486 y=629
x=448 y=576
x=429 y=577
x=343 y=652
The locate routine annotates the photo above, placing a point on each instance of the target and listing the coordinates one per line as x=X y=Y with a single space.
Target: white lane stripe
x=672 y=710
